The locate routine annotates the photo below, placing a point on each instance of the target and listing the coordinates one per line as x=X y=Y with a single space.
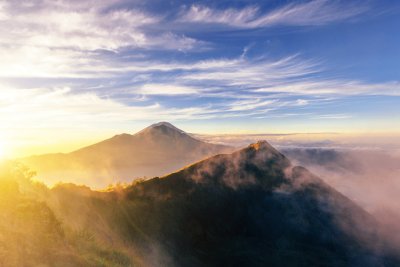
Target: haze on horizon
x=76 y=72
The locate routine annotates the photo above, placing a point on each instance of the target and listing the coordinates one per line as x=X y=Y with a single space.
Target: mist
x=365 y=168
x=371 y=178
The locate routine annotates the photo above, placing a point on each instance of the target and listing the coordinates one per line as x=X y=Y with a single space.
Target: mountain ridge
x=156 y=150
x=254 y=208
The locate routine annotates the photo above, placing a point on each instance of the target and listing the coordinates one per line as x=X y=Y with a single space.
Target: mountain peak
x=260 y=145
x=258 y=165
x=164 y=126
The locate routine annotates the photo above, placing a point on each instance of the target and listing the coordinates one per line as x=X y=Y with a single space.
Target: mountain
x=248 y=208
x=156 y=150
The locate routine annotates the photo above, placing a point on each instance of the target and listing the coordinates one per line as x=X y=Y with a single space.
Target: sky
x=74 y=72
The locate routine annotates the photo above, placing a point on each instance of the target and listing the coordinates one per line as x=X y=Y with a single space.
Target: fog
x=371 y=178
x=364 y=168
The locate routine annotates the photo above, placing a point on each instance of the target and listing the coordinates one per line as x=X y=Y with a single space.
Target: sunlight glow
x=2 y=149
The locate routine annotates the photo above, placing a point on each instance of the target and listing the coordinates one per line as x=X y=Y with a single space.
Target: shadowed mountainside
x=157 y=150
x=252 y=208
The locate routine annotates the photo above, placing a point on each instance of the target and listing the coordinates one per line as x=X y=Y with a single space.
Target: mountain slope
x=157 y=150
x=251 y=208
x=248 y=208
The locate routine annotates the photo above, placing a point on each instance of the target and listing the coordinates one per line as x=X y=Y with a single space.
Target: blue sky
x=81 y=68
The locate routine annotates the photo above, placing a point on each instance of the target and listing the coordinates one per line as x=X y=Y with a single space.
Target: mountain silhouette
x=248 y=208
x=156 y=150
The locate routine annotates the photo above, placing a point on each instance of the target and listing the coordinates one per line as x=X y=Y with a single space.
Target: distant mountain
x=157 y=150
x=248 y=208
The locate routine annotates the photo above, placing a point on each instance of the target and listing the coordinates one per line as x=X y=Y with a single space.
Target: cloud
x=40 y=62
x=319 y=12
x=163 y=89
x=333 y=116
x=250 y=104
x=227 y=87
x=236 y=77
x=257 y=72
x=368 y=176
x=68 y=39
x=302 y=102
x=3 y=13
x=233 y=17
x=334 y=87
x=58 y=107
x=56 y=38
x=291 y=75
x=71 y=27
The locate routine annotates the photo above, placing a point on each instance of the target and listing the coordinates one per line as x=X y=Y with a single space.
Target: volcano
x=249 y=208
x=156 y=150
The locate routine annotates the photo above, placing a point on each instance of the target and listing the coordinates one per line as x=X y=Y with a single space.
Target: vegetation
x=32 y=235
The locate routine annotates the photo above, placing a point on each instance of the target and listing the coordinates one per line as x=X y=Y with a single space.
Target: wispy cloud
x=253 y=73
x=339 y=116
x=318 y=12
x=252 y=104
x=334 y=87
x=291 y=75
x=234 y=17
x=71 y=27
x=165 y=89
x=52 y=38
